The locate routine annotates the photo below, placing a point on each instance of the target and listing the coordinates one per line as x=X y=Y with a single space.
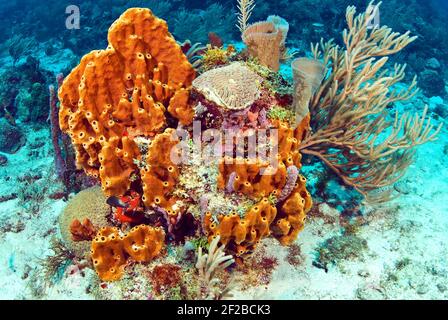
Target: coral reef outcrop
x=124 y=107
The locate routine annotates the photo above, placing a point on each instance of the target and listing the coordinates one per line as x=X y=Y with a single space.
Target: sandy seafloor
x=407 y=238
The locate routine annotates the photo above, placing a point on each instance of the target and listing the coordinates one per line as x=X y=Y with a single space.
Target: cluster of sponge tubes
x=136 y=87
x=282 y=215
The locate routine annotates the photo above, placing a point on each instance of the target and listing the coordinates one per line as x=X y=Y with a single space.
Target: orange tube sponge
x=285 y=219
x=160 y=174
x=248 y=179
x=110 y=250
x=241 y=235
x=292 y=213
x=130 y=86
x=108 y=255
x=143 y=242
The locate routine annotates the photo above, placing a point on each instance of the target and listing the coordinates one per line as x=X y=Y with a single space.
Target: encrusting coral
x=111 y=250
x=129 y=87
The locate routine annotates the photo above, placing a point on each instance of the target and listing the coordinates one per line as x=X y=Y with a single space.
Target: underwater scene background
x=358 y=209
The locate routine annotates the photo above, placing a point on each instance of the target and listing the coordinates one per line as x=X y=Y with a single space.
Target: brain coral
x=130 y=88
x=233 y=87
x=89 y=203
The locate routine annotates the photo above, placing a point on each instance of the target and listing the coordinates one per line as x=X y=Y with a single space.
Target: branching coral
x=209 y=265
x=56 y=262
x=245 y=8
x=352 y=134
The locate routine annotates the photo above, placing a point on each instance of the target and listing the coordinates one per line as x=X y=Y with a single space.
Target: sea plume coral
x=245 y=8
x=351 y=133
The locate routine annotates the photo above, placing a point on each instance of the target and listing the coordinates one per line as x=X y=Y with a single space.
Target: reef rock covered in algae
x=121 y=106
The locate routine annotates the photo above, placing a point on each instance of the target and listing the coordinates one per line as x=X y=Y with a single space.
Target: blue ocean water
x=41 y=39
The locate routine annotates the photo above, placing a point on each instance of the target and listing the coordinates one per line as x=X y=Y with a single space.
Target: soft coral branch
x=351 y=133
x=55 y=129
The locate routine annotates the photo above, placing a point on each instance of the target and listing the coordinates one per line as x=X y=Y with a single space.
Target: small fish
x=116 y=202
